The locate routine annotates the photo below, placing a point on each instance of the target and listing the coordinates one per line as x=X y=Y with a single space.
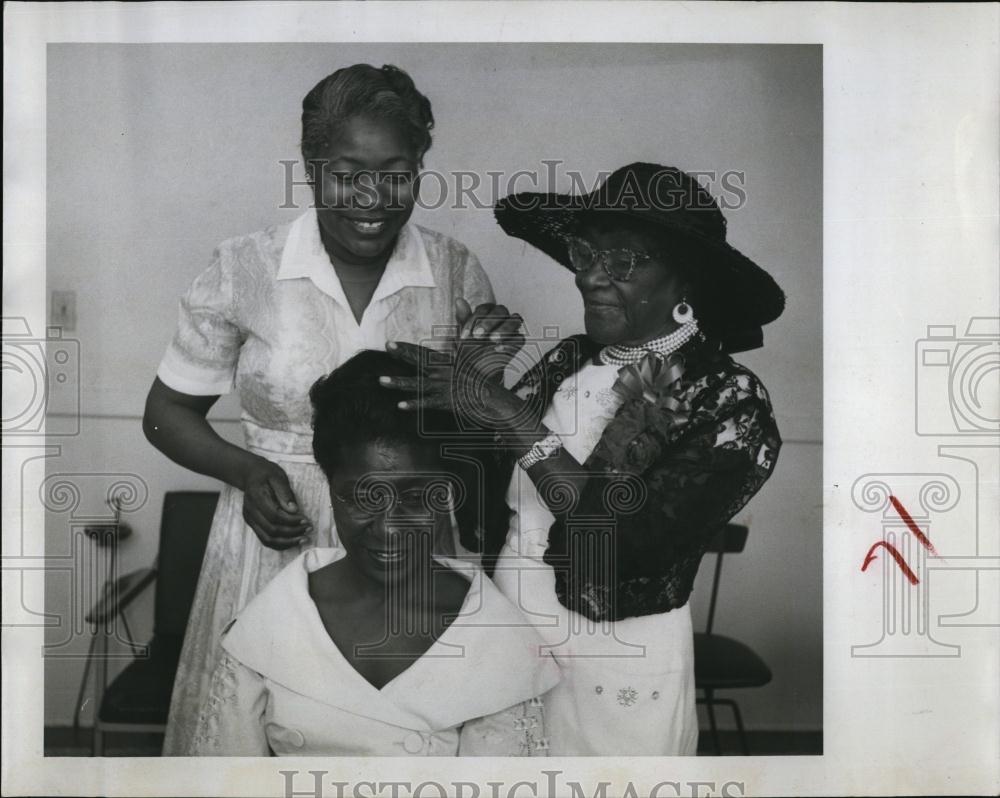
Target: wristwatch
x=547 y=447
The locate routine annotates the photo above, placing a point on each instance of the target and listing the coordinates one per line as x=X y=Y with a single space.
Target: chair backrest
x=184 y=526
x=731 y=539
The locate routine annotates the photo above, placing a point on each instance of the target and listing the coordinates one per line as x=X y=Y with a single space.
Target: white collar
x=490 y=650
x=304 y=256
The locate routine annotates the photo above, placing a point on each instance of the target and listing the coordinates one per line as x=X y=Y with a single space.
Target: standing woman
x=278 y=309
x=646 y=438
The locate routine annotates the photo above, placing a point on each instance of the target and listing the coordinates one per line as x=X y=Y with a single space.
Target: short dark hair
x=363 y=89
x=350 y=407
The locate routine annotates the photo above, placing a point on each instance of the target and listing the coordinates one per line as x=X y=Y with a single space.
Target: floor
x=64 y=741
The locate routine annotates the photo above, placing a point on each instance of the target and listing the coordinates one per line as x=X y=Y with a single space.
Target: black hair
x=388 y=93
x=350 y=407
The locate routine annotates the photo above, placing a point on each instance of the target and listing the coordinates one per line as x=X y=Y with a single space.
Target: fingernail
x=403 y=405
x=463 y=334
x=390 y=345
x=304 y=522
x=500 y=348
x=495 y=337
x=478 y=332
x=385 y=380
x=293 y=507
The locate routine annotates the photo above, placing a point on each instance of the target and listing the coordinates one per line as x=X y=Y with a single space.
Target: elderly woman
x=634 y=444
x=279 y=308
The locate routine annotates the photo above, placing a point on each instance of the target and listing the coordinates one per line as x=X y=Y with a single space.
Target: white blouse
x=580 y=410
x=284 y=688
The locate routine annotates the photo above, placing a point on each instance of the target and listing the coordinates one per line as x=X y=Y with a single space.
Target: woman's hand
x=490 y=332
x=269 y=506
x=463 y=383
x=175 y=423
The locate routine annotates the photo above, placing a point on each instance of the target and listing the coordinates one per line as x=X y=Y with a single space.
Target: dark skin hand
x=176 y=424
x=472 y=392
x=491 y=333
x=492 y=322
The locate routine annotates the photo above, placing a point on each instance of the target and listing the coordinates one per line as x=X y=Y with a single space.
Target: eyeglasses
x=618 y=264
x=381 y=500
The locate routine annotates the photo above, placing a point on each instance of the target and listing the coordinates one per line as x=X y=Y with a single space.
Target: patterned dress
x=268 y=318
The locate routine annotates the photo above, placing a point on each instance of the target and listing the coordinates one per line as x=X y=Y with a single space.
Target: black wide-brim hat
x=741 y=296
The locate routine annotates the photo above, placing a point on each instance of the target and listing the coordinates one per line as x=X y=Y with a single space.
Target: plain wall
x=156 y=153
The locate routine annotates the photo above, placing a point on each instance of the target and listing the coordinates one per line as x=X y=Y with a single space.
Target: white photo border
x=910 y=241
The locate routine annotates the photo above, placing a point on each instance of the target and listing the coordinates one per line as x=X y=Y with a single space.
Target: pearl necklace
x=621 y=355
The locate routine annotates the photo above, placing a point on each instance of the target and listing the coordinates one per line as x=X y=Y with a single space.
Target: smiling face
x=366 y=189
x=630 y=312
x=380 y=510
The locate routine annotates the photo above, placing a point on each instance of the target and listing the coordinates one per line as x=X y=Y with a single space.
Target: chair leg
x=128 y=632
x=738 y=717
x=83 y=684
x=100 y=685
x=743 y=732
x=710 y=708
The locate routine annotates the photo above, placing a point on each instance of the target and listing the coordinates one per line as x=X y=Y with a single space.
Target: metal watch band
x=540 y=450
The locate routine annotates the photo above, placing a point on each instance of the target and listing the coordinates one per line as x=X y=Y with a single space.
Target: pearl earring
x=683 y=313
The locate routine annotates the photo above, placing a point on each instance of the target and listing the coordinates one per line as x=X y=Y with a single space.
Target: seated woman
x=377 y=648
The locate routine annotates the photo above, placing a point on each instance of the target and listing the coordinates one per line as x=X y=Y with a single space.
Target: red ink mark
x=870 y=557
x=912 y=524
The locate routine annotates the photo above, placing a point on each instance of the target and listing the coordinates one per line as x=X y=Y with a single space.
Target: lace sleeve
x=230 y=723
x=661 y=515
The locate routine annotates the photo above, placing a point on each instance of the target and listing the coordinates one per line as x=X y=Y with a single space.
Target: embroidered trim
x=530 y=721
x=223 y=690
